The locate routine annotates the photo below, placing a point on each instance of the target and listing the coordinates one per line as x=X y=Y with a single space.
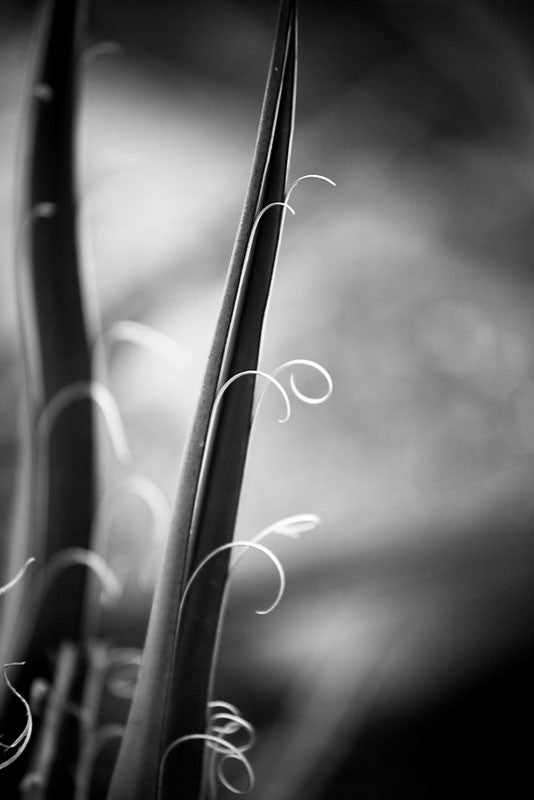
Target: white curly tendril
x=102 y=397
x=283 y=204
x=300 y=395
x=289 y=526
x=280 y=204
x=260 y=374
x=225 y=720
x=20 y=574
x=79 y=556
x=224 y=749
x=271 y=378
x=148 y=338
x=21 y=742
x=105 y=48
x=250 y=545
x=305 y=178
x=223 y=705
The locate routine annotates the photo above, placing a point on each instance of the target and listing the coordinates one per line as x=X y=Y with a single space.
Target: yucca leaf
x=175 y=678
x=57 y=342
x=60 y=495
x=63 y=356
x=61 y=478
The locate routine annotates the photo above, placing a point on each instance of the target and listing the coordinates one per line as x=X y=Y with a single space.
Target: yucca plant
x=177 y=739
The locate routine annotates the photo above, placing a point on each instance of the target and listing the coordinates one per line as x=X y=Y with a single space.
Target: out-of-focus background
x=398 y=664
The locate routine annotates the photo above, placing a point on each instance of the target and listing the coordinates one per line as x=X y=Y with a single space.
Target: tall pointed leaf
x=175 y=678
x=57 y=353
x=58 y=345
x=56 y=348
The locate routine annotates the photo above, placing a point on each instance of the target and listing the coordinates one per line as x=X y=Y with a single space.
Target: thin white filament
x=21 y=742
x=304 y=398
x=255 y=546
x=246 y=257
x=305 y=178
x=270 y=378
x=213 y=741
x=150 y=339
x=234 y=723
x=224 y=780
x=257 y=221
x=212 y=767
x=99 y=394
x=74 y=556
x=305 y=362
x=106 y=48
x=289 y=526
x=223 y=704
x=230 y=713
x=13 y=582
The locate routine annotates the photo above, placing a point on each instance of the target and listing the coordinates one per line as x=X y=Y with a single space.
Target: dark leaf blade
x=59 y=464
x=65 y=490
x=175 y=677
x=219 y=490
